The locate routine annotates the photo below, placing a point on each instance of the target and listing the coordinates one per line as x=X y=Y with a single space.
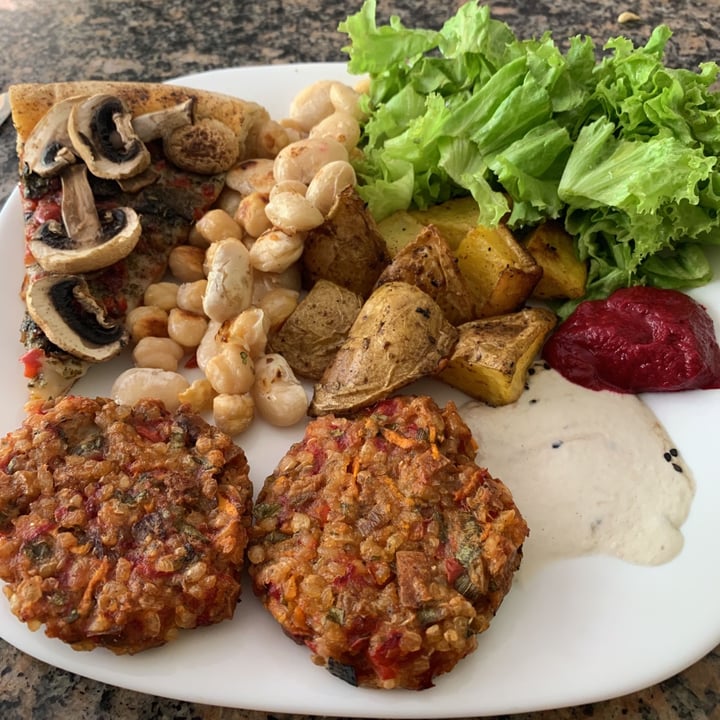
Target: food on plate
x=400 y=335
x=613 y=481
x=112 y=176
x=564 y=275
x=500 y=273
x=640 y=339
x=428 y=263
x=347 y=248
x=491 y=359
x=453 y=219
x=312 y=334
x=119 y=525
x=535 y=131
x=382 y=546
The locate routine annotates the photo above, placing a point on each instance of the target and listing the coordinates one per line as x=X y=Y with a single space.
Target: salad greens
x=622 y=148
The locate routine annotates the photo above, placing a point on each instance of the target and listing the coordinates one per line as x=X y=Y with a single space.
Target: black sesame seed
x=676 y=467
x=667 y=456
x=533 y=401
x=557 y=444
x=674 y=452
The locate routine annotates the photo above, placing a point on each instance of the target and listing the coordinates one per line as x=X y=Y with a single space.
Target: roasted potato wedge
x=492 y=356
x=428 y=263
x=564 y=274
x=453 y=219
x=347 y=248
x=400 y=335
x=399 y=230
x=315 y=330
x=500 y=273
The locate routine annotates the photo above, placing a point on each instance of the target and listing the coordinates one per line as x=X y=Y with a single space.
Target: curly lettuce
x=622 y=149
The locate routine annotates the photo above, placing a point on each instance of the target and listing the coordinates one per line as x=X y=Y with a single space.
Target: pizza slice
x=112 y=177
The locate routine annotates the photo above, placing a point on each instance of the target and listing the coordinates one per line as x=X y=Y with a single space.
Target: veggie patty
x=120 y=525
x=382 y=546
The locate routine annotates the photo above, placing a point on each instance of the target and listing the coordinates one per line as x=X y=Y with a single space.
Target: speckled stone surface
x=53 y=40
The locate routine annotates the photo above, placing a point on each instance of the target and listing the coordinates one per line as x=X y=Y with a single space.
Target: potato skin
x=400 y=335
x=347 y=248
x=315 y=330
x=428 y=263
x=492 y=356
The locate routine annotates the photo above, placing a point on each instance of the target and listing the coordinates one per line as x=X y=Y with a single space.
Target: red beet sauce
x=640 y=339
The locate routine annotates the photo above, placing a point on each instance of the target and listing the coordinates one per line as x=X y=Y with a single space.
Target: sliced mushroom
x=72 y=319
x=207 y=147
x=158 y=124
x=85 y=240
x=102 y=134
x=49 y=148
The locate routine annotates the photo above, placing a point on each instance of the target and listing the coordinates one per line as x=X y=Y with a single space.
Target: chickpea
x=341 y=126
x=231 y=371
x=186 y=328
x=233 y=413
x=157 y=352
x=199 y=395
x=186 y=263
x=302 y=159
x=216 y=225
x=279 y=397
x=195 y=239
x=293 y=213
x=190 y=296
x=251 y=213
x=161 y=294
x=254 y=175
x=327 y=184
x=275 y=250
x=230 y=280
x=267 y=140
x=147 y=321
x=138 y=383
x=228 y=200
x=278 y=304
x=249 y=329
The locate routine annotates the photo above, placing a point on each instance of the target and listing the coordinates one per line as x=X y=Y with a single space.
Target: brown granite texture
x=52 y=40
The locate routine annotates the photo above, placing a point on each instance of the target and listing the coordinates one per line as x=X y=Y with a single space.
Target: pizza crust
x=30 y=101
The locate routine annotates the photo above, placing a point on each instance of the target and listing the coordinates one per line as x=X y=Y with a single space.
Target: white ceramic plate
x=570 y=632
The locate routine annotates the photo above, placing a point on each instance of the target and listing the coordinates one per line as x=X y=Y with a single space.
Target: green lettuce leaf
x=623 y=149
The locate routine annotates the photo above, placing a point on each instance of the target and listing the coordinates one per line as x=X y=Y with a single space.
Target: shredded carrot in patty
x=396 y=438
x=95 y=580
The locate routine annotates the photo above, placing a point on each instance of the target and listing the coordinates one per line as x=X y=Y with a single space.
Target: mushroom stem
x=154 y=125
x=79 y=213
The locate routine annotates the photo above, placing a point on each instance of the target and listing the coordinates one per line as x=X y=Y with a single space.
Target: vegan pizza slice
x=112 y=177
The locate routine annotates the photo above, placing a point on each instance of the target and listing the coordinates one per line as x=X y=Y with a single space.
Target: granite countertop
x=43 y=41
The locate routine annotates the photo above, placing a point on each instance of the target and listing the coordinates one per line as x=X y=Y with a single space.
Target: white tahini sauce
x=592 y=472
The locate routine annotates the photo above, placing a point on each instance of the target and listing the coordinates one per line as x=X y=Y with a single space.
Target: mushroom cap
x=85 y=240
x=72 y=319
x=101 y=131
x=207 y=147
x=119 y=234
x=49 y=148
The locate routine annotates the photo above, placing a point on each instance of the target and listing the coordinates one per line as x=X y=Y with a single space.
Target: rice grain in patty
x=121 y=525
x=382 y=546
